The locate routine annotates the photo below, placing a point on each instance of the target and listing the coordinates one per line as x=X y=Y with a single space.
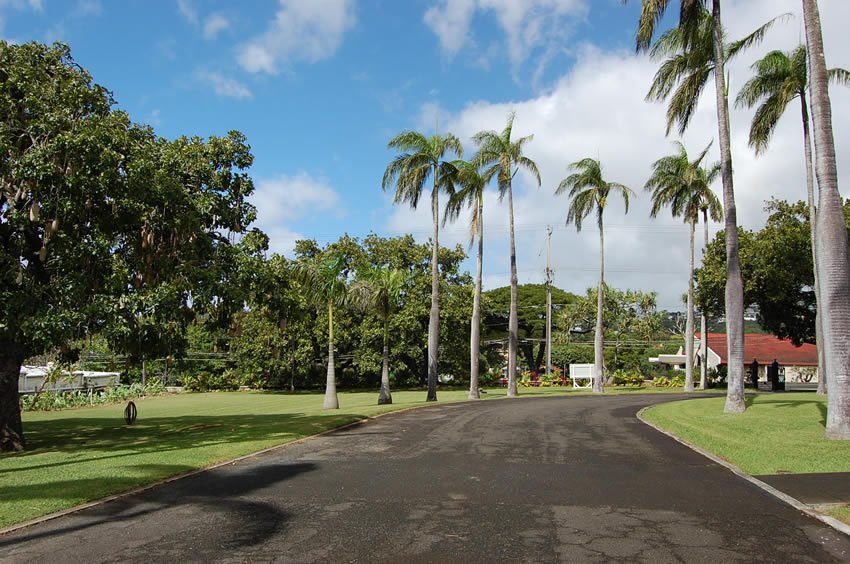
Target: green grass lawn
x=840 y=513
x=778 y=433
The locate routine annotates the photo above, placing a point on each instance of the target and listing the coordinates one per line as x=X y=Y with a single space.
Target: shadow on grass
x=821 y=405
x=220 y=493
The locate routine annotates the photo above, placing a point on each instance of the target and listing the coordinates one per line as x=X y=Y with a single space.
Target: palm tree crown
x=589 y=191
x=779 y=79
x=498 y=154
x=421 y=157
x=467 y=191
x=684 y=186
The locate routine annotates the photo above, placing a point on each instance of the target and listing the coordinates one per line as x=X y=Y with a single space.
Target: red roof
x=765 y=349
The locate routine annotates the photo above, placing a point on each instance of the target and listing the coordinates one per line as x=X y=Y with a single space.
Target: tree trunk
x=385 y=397
x=513 y=321
x=810 y=193
x=832 y=252
x=11 y=429
x=475 y=326
x=689 y=325
x=598 y=341
x=434 y=319
x=703 y=326
x=735 y=402
x=331 y=400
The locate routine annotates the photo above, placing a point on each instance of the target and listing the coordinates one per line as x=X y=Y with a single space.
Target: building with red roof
x=800 y=363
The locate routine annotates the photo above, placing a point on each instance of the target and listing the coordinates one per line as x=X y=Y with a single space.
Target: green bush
x=50 y=401
x=677 y=381
x=661 y=381
x=205 y=381
x=623 y=377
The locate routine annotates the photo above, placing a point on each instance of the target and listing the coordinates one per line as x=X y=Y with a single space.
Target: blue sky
x=320 y=86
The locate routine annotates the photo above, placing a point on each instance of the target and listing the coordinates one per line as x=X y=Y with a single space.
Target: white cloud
x=214 y=24
x=286 y=199
x=302 y=30
x=224 y=86
x=88 y=8
x=188 y=11
x=16 y=5
x=527 y=25
x=597 y=110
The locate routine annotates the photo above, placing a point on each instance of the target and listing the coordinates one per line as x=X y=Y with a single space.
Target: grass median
x=779 y=433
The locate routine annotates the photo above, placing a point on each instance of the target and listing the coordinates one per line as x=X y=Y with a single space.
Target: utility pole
x=548 y=302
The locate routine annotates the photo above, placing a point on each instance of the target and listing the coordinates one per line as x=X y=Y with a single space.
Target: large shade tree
x=502 y=157
x=833 y=257
x=781 y=78
x=422 y=158
x=685 y=187
x=692 y=18
x=590 y=192
x=469 y=192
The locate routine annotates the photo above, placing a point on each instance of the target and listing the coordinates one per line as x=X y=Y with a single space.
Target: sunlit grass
x=779 y=433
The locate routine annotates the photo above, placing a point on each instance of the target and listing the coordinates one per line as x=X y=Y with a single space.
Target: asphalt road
x=538 y=479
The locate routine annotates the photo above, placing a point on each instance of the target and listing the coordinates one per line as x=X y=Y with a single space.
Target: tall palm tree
x=691 y=15
x=471 y=193
x=588 y=192
x=423 y=157
x=832 y=252
x=324 y=284
x=685 y=186
x=781 y=78
x=382 y=289
x=502 y=157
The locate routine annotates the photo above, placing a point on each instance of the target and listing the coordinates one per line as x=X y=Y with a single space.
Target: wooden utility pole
x=548 y=302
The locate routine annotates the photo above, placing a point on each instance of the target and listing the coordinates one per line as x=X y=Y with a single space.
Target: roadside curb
x=793 y=502
x=140 y=489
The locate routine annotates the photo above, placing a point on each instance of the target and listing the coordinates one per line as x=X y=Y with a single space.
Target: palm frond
x=756 y=37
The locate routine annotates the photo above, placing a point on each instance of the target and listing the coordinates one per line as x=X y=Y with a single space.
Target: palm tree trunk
x=385 y=397
x=475 y=326
x=513 y=321
x=832 y=253
x=434 y=319
x=810 y=192
x=689 y=324
x=598 y=341
x=735 y=402
x=331 y=400
x=703 y=326
x=11 y=428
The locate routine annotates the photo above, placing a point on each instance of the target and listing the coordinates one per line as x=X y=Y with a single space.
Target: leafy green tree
x=62 y=174
x=471 y=194
x=531 y=318
x=501 y=157
x=691 y=17
x=781 y=78
x=422 y=157
x=630 y=315
x=685 y=186
x=382 y=290
x=324 y=283
x=589 y=192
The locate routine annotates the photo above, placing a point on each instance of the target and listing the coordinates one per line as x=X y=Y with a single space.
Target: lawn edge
x=113 y=497
x=782 y=496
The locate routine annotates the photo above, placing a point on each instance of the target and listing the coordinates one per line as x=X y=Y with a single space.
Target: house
x=800 y=363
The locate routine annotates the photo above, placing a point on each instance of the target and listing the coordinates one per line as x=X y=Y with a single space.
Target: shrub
x=623 y=377
x=49 y=401
x=205 y=381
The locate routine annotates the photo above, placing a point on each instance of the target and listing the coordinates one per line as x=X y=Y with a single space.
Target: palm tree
x=324 y=284
x=471 y=193
x=422 y=157
x=832 y=251
x=501 y=157
x=780 y=78
x=382 y=289
x=685 y=186
x=589 y=191
x=691 y=16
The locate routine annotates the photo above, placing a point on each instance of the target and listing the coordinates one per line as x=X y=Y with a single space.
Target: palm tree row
x=695 y=50
x=500 y=157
